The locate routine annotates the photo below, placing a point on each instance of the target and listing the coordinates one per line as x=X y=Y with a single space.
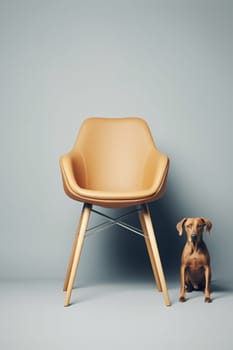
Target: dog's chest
x=195 y=260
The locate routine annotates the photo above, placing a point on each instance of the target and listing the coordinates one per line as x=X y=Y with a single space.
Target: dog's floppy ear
x=180 y=225
x=208 y=224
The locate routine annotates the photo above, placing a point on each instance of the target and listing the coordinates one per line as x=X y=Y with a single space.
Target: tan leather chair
x=115 y=163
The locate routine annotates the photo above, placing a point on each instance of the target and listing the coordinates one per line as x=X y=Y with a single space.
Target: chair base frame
x=147 y=232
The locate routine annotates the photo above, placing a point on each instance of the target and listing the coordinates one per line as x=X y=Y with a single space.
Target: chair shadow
x=126 y=252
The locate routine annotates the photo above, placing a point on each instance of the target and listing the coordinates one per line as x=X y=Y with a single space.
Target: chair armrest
x=156 y=170
x=68 y=174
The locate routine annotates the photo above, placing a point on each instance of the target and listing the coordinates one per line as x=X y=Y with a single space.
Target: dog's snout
x=194 y=237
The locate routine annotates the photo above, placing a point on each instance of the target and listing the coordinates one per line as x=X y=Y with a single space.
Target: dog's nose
x=194 y=237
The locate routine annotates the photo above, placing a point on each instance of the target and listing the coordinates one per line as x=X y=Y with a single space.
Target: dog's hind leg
x=188 y=284
x=188 y=287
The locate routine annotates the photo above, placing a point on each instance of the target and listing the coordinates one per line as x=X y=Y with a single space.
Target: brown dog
x=195 y=271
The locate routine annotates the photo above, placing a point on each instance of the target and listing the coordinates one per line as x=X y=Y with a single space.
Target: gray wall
x=169 y=62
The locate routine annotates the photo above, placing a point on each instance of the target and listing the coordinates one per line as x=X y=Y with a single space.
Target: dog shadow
x=221 y=289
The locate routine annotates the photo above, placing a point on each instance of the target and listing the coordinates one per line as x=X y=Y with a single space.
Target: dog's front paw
x=208 y=300
x=182 y=299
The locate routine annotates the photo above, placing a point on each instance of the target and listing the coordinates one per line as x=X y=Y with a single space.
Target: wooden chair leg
x=67 y=278
x=76 y=251
x=150 y=253
x=155 y=251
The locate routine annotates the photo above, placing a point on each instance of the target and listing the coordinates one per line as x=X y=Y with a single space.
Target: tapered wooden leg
x=67 y=278
x=76 y=251
x=155 y=252
x=149 y=250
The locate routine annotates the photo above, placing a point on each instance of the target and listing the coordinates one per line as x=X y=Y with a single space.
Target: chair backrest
x=110 y=153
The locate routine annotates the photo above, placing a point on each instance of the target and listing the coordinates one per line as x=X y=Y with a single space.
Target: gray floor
x=115 y=315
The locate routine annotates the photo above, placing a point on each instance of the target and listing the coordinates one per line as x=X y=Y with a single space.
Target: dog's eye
x=189 y=226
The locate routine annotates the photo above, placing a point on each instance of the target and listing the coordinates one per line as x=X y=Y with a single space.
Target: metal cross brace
x=117 y=221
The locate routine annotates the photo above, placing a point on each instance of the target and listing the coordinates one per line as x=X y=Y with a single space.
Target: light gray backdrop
x=169 y=62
